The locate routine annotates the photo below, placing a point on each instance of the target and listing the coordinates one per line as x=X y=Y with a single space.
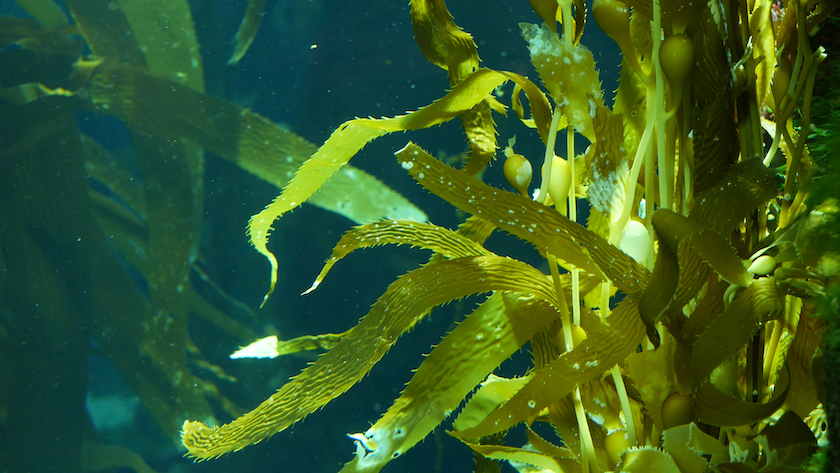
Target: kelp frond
x=684 y=319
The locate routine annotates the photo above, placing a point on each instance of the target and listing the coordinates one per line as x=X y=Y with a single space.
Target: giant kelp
x=680 y=337
x=103 y=259
x=702 y=359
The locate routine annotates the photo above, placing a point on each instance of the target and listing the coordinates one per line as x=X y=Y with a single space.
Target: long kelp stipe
x=677 y=329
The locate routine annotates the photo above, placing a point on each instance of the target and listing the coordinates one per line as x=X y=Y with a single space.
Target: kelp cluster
x=676 y=329
x=102 y=255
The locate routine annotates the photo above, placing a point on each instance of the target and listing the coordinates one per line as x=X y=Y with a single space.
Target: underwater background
x=313 y=65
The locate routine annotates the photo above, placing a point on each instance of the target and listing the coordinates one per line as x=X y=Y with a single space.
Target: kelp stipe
x=706 y=358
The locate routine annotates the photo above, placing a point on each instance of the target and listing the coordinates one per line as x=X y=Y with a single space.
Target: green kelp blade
x=494 y=391
x=734 y=328
x=479 y=344
x=678 y=271
x=604 y=347
x=247 y=30
x=745 y=187
x=352 y=136
x=442 y=41
x=542 y=226
x=764 y=47
x=441 y=240
x=396 y=311
x=446 y=45
x=540 y=112
x=715 y=407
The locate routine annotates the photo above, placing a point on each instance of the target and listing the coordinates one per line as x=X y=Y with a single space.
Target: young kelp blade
x=247 y=30
x=479 y=344
x=395 y=312
x=604 y=347
x=353 y=135
x=533 y=222
x=441 y=240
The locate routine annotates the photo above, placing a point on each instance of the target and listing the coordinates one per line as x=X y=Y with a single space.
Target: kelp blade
x=540 y=461
x=542 y=226
x=488 y=336
x=715 y=407
x=603 y=348
x=734 y=328
x=425 y=235
x=353 y=135
x=247 y=30
x=395 y=312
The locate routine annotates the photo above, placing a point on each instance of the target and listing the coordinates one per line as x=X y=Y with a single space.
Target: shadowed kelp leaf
x=158 y=38
x=396 y=311
x=734 y=328
x=689 y=245
x=247 y=30
x=425 y=235
x=542 y=226
x=352 y=136
x=746 y=186
x=715 y=407
x=683 y=246
x=604 y=346
x=494 y=391
x=479 y=344
x=47 y=12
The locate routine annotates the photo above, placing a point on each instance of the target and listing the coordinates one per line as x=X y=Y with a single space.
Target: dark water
x=313 y=65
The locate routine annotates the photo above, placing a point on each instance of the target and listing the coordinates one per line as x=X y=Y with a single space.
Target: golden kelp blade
x=604 y=347
x=494 y=391
x=479 y=344
x=541 y=226
x=441 y=240
x=443 y=42
x=247 y=29
x=352 y=136
x=396 y=311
